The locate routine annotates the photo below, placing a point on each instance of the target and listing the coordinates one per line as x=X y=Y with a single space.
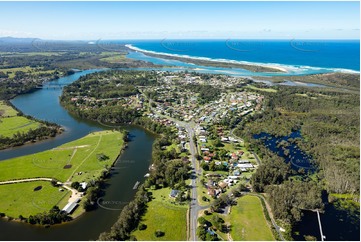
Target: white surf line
x=287 y=68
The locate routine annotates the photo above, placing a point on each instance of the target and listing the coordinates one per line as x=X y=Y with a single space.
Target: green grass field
x=114 y=59
x=261 y=89
x=248 y=221
x=6 y=110
x=27 y=69
x=81 y=154
x=10 y=123
x=21 y=199
x=164 y=216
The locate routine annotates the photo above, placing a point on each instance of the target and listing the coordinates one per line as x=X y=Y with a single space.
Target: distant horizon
x=92 y=40
x=180 y=20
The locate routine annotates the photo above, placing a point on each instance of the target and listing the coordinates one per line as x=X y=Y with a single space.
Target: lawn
x=261 y=89
x=10 y=123
x=6 y=110
x=27 y=69
x=80 y=155
x=114 y=59
x=21 y=199
x=164 y=216
x=248 y=221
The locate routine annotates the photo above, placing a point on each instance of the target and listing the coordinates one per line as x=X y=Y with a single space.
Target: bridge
x=323 y=237
x=319 y=223
x=51 y=86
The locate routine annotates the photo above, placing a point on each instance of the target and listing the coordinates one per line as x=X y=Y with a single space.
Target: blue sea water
x=331 y=55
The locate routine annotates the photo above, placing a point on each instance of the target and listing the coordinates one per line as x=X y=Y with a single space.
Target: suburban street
x=194 y=206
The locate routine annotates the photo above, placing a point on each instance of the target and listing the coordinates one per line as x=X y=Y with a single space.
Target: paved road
x=194 y=206
x=25 y=180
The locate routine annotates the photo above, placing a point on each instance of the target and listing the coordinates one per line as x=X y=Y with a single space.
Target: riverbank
x=17 y=129
x=82 y=160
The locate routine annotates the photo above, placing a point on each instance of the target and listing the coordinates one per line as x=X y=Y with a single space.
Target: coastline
x=251 y=66
x=254 y=67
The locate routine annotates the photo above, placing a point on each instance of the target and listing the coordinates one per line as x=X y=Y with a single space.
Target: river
x=129 y=168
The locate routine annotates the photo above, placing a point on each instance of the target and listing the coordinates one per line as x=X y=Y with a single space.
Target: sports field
x=248 y=221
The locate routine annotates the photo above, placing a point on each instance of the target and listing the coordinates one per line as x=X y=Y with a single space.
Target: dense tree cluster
x=289 y=199
x=54 y=216
x=33 y=134
x=273 y=171
x=129 y=218
x=207 y=93
x=168 y=170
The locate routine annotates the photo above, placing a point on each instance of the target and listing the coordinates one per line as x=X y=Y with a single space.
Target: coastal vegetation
x=337 y=79
x=253 y=68
x=329 y=127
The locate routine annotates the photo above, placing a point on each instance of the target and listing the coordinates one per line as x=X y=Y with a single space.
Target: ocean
x=293 y=55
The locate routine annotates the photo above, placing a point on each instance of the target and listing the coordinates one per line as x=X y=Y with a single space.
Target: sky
x=180 y=20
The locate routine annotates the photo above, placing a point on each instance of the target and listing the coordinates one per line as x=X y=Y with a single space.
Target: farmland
x=64 y=162
x=30 y=198
x=11 y=123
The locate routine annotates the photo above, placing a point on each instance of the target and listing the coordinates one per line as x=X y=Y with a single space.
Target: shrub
x=159 y=233
x=142 y=227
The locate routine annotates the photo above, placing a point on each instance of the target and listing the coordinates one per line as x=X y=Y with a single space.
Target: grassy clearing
x=261 y=89
x=164 y=216
x=29 y=53
x=248 y=221
x=114 y=59
x=6 y=110
x=11 y=124
x=81 y=154
x=21 y=199
x=27 y=69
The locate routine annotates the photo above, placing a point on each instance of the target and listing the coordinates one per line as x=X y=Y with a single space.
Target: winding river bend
x=129 y=168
